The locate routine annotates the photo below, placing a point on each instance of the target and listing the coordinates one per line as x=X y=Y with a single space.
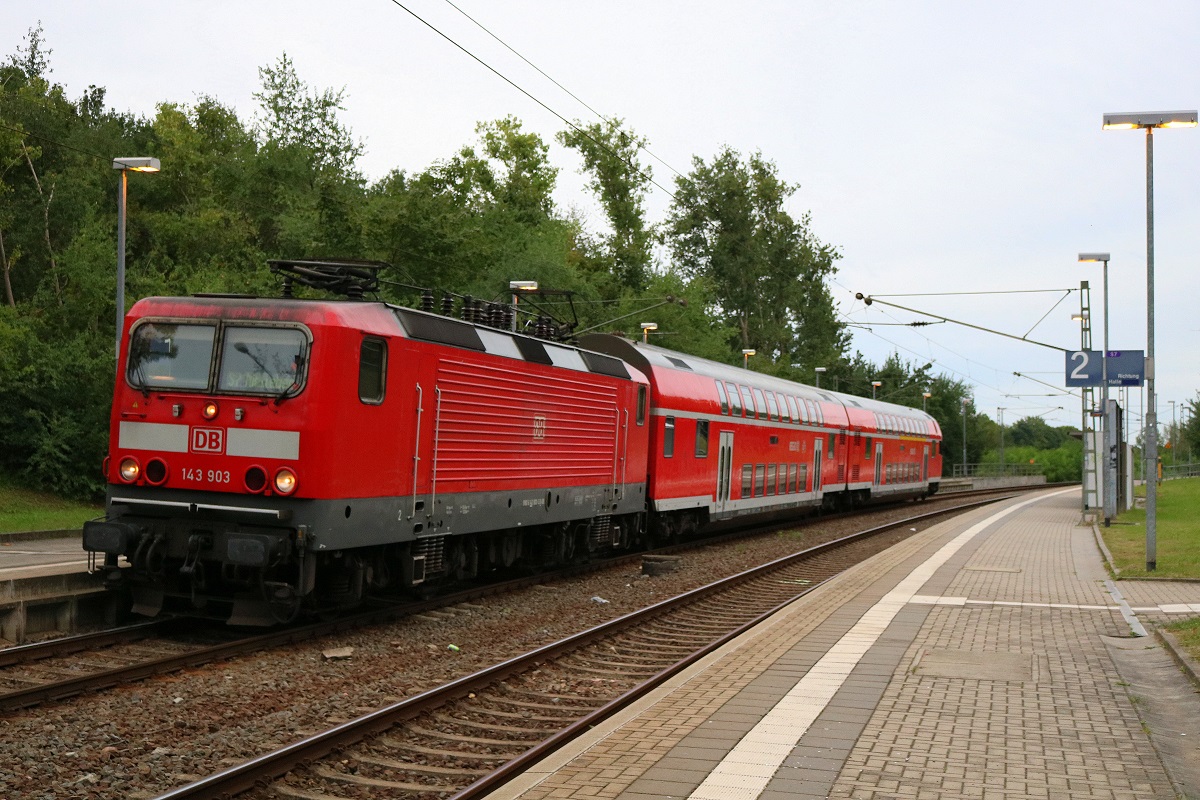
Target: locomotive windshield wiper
x=286 y=393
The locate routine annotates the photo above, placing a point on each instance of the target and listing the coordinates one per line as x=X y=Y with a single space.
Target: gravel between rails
x=140 y=740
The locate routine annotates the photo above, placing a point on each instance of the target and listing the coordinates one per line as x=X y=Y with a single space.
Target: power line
x=529 y=94
x=541 y=72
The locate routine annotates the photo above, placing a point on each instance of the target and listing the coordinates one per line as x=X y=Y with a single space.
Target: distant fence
x=1181 y=471
x=998 y=470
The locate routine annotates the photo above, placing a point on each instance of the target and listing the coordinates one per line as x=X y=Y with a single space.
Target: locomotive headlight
x=130 y=470
x=285 y=481
x=210 y=410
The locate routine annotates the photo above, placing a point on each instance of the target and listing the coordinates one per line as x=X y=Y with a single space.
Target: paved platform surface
x=32 y=557
x=986 y=657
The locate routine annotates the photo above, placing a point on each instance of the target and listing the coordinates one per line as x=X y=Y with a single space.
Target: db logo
x=208 y=440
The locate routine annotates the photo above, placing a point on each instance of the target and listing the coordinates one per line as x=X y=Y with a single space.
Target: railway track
x=50 y=671
x=467 y=737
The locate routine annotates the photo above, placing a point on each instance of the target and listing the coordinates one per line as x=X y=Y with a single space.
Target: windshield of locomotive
x=171 y=355
x=268 y=360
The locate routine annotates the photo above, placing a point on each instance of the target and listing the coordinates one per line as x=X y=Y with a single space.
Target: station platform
x=45 y=587
x=987 y=657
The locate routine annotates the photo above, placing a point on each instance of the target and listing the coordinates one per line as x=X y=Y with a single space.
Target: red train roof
x=681 y=380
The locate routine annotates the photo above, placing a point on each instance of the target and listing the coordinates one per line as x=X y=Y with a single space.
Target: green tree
x=620 y=181
x=768 y=271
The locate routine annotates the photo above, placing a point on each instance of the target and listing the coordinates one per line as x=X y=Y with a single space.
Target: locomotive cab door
x=724 y=469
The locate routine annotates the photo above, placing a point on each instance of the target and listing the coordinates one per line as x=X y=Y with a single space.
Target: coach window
x=760 y=404
x=747 y=480
x=793 y=415
x=760 y=479
x=641 y=406
x=832 y=444
x=701 y=438
x=669 y=437
x=372 y=371
x=771 y=479
x=724 y=400
x=735 y=400
x=747 y=401
x=793 y=471
x=867 y=448
x=772 y=406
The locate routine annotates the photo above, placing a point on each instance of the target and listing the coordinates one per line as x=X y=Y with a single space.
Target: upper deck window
x=259 y=360
x=760 y=403
x=735 y=400
x=772 y=406
x=724 y=400
x=166 y=355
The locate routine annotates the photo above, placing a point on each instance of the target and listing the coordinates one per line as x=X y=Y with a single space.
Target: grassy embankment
x=1177 y=550
x=25 y=510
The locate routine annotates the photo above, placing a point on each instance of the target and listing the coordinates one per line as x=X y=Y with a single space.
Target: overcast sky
x=941 y=146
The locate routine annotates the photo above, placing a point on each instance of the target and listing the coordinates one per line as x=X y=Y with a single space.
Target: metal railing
x=1190 y=470
x=996 y=470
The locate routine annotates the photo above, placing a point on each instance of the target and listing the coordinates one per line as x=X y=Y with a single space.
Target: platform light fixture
x=126 y=165
x=875 y=385
x=746 y=357
x=516 y=287
x=646 y=328
x=1149 y=120
x=925 y=400
x=818 y=371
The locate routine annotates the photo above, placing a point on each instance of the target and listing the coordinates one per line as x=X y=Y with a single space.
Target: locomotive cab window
x=641 y=406
x=166 y=355
x=260 y=360
x=372 y=371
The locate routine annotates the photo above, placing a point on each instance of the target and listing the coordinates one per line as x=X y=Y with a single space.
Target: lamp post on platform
x=646 y=328
x=1149 y=121
x=925 y=400
x=875 y=385
x=818 y=371
x=126 y=165
x=746 y=357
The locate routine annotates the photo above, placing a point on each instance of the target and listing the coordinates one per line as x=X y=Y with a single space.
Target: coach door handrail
x=417 y=449
x=625 y=455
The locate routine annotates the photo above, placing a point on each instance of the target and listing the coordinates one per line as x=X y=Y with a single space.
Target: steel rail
x=269 y=766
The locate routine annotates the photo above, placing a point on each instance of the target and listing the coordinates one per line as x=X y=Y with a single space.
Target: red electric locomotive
x=270 y=455
x=729 y=443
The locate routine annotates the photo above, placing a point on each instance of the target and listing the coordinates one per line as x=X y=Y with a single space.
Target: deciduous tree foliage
x=234 y=193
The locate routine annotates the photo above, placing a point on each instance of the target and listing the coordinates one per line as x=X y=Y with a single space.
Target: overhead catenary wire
x=529 y=94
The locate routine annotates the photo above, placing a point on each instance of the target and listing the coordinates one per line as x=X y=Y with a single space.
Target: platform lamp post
x=1107 y=465
x=1149 y=121
x=964 y=461
x=925 y=400
x=646 y=328
x=126 y=165
x=516 y=287
x=1003 y=464
x=746 y=357
x=875 y=385
x=818 y=371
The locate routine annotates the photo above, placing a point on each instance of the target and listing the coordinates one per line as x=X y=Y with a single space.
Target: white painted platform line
x=749 y=767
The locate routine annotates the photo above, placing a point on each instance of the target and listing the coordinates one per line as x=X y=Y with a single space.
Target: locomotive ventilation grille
x=434 y=550
x=600 y=532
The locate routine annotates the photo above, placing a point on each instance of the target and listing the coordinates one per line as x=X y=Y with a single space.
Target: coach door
x=818 y=458
x=724 y=469
x=925 y=465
